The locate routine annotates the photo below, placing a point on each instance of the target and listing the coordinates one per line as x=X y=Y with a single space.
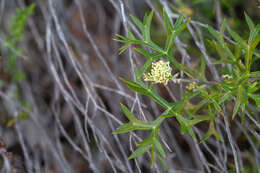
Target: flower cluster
x=160 y=72
x=226 y=76
x=191 y=86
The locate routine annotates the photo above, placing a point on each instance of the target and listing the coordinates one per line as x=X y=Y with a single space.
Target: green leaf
x=146 y=141
x=222 y=44
x=122 y=38
x=149 y=55
x=147 y=64
x=229 y=53
x=142 y=89
x=238 y=51
x=198 y=1
x=154 y=46
x=131 y=35
x=235 y=36
x=11 y=122
x=219 y=50
x=125 y=128
x=167 y=22
x=123 y=48
x=183 y=123
x=140 y=150
x=138 y=23
x=236 y=108
x=253 y=34
x=243 y=107
x=173 y=109
x=152 y=157
x=19 y=76
x=214 y=33
x=224 y=97
x=23 y=115
x=139 y=90
x=202 y=68
x=147 y=24
x=255 y=74
x=199 y=105
x=222 y=29
x=174 y=33
x=179 y=66
x=128 y=113
x=163 y=162
x=205 y=137
x=178 y=21
x=249 y=22
x=192 y=134
x=210 y=132
x=256 y=98
x=131 y=83
x=159 y=147
x=148 y=19
x=209 y=98
x=199 y=119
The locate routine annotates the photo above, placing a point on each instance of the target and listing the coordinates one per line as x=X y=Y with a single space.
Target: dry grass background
x=73 y=69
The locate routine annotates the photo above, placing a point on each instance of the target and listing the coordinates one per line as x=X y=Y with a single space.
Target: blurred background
x=59 y=113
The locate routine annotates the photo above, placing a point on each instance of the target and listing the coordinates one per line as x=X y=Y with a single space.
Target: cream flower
x=191 y=86
x=226 y=76
x=160 y=72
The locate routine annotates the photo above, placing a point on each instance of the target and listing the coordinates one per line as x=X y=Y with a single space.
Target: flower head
x=191 y=86
x=226 y=76
x=160 y=72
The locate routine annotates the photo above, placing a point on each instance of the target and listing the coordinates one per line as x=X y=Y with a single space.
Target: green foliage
x=238 y=84
x=235 y=84
x=16 y=33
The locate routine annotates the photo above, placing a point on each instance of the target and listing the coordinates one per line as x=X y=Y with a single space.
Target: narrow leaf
x=128 y=113
x=175 y=33
x=147 y=25
x=249 y=22
x=131 y=35
x=178 y=21
x=167 y=22
x=159 y=147
x=236 y=107
x=163 y=162
x=192 y=134
x=152 y=157
x=222 y=29
x=139 y=151
x=125 y=128
x=205 y=137
x=213 y=32
x=224 y=97
x=235 y=36
x=253 y=34
x=256 y=98
x=146 y=141
x=137 y=22
x=147 y=64
x=147 y=54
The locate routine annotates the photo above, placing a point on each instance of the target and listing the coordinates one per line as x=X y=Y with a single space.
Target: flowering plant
x=237 y=85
